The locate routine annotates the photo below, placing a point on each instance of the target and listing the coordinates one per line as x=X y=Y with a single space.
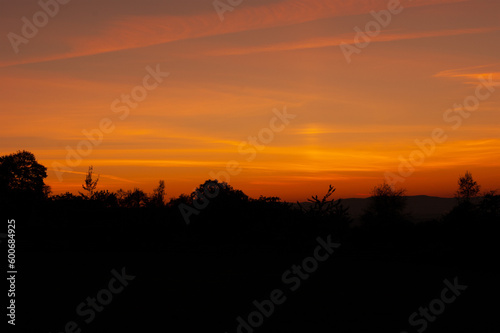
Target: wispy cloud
x=100 y=175
x=313 y=43
x=131 y=32
x=473 y=72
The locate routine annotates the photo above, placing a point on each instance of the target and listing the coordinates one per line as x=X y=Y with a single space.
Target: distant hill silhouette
x=421 y=207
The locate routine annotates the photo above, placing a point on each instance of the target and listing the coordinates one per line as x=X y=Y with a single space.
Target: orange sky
x=352 y=120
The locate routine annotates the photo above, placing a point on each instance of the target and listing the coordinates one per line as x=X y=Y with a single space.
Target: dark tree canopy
x=213 y=190
x=132 y=199
x=467 y=187
x=21 y=174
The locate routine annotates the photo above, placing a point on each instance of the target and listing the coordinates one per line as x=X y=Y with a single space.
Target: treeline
x=235 y=249
x=22 y=183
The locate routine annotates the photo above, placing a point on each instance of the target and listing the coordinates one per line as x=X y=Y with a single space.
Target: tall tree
x=90 y=184
x=21 y=175
x=467 y=187
x=158 y=197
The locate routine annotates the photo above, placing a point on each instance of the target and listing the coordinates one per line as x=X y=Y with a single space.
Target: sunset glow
x=229 y=83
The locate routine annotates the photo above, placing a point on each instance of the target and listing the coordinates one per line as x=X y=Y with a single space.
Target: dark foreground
x=97 y=269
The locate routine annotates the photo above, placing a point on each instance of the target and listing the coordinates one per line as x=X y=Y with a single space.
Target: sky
x=277 y=97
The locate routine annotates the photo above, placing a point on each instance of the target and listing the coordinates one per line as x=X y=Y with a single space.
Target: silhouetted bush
x=132 y=199
x=386 y=209
x=105 y=198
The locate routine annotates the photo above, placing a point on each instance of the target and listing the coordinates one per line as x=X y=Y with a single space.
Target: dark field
x=201 y=277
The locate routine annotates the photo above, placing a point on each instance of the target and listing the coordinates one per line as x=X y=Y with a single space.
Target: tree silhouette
x=328 y=214
x=218 y=192
x=386 y=207
x=158 y=197
x=490 y=205
x=467 y=187
x=21 y=175
x=105 y=198
x=210 y=197
x=132 y=199
x=68 y=196
x=325 y=206
x=90 y=184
